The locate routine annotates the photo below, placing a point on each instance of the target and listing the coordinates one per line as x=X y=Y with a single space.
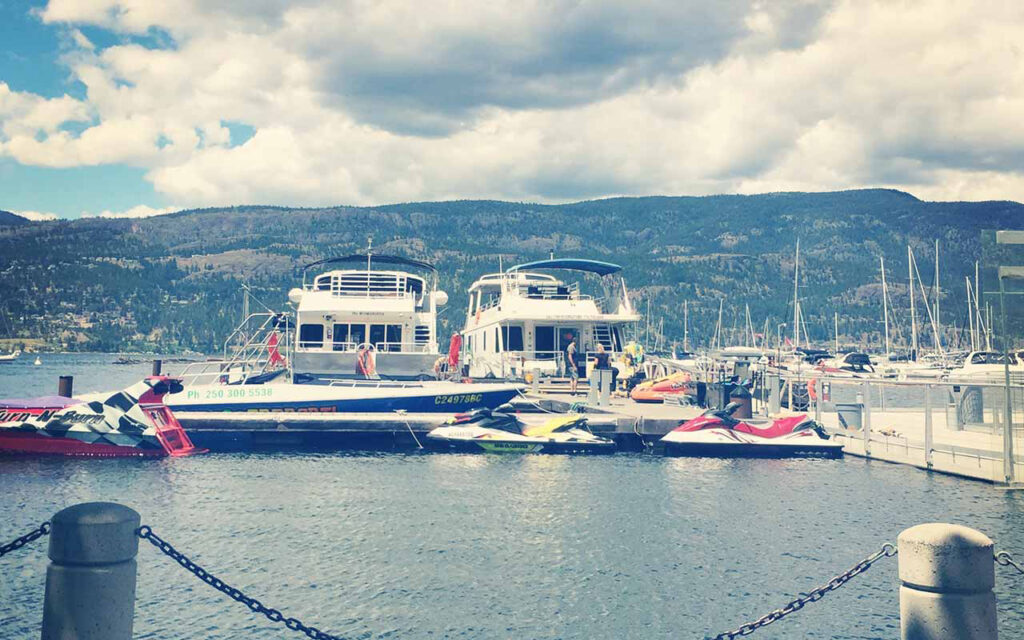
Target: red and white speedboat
x=133 y=422
x=716 y=433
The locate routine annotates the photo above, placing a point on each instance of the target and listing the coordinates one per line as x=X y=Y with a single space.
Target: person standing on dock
x=570 y=362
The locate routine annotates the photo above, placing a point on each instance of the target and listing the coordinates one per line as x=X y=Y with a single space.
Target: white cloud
x=138 y=211
x=371 y=102
x=38 y=216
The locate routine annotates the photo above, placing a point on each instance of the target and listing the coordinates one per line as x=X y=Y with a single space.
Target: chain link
x=1007 y=560
x=35 y=534
x=887 y=550
x=146 y=533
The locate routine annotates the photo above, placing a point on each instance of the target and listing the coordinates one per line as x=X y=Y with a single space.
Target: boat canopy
x=407 y=262
x=575 y=264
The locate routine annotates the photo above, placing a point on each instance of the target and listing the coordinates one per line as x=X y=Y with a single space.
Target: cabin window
x=341 y=342
x=377 y=335
x=546 y=343
x=512 y=337
x=393 y=335
x=311 y=336
x=484 y=347
x=422 y=334
x=357 y=334
x=497 y=340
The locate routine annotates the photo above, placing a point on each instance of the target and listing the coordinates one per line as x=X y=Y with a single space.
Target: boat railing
x=550 y=291
x=257 y=346
x=382 y=347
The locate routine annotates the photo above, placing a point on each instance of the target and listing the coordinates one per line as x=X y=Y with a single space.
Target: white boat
x=10 y=357
x=988 y=366
x=390 y=314
x=342 y=396
x=521 y=320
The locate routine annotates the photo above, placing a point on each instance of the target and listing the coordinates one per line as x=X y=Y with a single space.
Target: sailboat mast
x=938 y=323
x=913 y=316
x=885 y=308
x=970 y=314
x=796 y=297
x=837 y=331
x=686 y=325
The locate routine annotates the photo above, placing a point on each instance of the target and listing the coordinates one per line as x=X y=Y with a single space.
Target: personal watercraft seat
x=556 y=425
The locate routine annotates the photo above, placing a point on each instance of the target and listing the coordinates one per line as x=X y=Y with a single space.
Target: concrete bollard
x=90 y=583
x=947 y=573
x=604 y=382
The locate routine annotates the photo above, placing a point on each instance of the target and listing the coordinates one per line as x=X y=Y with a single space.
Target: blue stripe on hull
x=414 y=404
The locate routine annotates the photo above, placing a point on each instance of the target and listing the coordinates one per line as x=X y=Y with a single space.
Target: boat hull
x=727 y=443
x=426 y=398
x=737 y=450
x=38 y=444
x=516 y=447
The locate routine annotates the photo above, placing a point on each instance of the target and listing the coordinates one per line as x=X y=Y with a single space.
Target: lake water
x=463 y=546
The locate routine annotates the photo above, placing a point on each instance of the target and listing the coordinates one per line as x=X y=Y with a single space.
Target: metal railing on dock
x=968 y=428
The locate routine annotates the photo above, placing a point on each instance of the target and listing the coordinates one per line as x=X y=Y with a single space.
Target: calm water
x=460 y=546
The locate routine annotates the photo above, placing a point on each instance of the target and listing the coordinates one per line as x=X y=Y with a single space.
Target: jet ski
x=654 y=391
x=500 y=431
x=716 y=433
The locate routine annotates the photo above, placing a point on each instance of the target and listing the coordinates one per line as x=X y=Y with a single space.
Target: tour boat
x=369 y=396
x=10 y=357
x=522 y=320
x=717 y=434
x=132 y=422
x=500 y=431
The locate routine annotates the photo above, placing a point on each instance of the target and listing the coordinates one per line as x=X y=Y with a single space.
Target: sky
x=136 y=107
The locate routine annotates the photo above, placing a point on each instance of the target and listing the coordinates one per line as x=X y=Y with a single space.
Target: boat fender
x=812 y=389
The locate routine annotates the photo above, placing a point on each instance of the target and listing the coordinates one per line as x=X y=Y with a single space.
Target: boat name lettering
x=42 y=416
x=458 y=398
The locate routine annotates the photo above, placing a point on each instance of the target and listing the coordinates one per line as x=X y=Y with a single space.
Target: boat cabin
x=523 y=319
x=390 y=313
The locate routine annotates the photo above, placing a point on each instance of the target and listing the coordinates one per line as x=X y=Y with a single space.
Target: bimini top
x=575 y=264
x=408 y=262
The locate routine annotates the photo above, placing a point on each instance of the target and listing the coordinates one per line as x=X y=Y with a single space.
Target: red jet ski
x=716 y=433
x=132 y=422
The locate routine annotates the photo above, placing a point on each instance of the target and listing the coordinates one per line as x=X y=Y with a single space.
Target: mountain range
x=172 y=282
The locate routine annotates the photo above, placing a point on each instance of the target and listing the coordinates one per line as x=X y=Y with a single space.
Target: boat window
x=311 y=336
x=484 y=347
x=617 y=338
x=377 y=335
x=497 y=340
x=394 y=337
x=512 y=337
x=422 y=334
x=357 y=334
x=545 y=340
x=341 y=337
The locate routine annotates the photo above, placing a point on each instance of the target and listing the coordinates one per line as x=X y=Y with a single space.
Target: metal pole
x=928 y=426
x=90 y=583
x=866 y=418
x=1008 y=408
x=947 y=572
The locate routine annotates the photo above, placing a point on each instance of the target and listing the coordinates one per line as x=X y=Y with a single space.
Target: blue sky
x=135 y=107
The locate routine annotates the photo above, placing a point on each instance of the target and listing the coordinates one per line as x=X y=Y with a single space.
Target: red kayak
x=132 y=422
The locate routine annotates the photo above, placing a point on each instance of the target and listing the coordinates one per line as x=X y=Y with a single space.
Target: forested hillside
x=172 y=282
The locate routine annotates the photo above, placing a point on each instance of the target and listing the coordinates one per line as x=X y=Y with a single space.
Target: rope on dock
x=146 y=533
x=17 y=543
x=888 y=550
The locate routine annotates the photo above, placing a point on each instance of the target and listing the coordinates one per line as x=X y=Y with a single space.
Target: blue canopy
x=576 y=264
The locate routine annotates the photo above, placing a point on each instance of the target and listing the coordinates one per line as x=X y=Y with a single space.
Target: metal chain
x=35 y=534
x=887 y=550
x=1007 y=560
x=146 y=533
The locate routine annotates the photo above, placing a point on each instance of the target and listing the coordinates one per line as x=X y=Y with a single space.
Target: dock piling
x=946 y=574
x=90 y=583
x=157 y=367
x=65 y=386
